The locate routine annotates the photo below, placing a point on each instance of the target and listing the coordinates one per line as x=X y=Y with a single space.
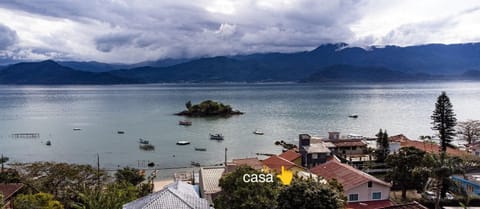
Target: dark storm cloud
x=8 y=37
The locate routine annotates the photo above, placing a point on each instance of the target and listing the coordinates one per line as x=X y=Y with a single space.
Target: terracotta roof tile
x=425 y=146
x=9 y=189
x=276 y=162
x=252 y=162
x=290 y=155
x=347 y=175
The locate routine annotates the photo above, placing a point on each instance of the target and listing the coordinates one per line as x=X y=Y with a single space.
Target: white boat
x=353 y=116
x=216 y=136
x=143 y=141
x=183 y=142
x=257 y=132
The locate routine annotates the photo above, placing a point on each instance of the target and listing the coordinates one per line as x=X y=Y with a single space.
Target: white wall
x=365 y=193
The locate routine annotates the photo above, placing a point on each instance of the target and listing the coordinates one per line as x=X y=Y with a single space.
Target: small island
x=208 y=108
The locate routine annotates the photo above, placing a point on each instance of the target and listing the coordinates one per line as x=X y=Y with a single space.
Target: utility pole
x=226 y=159
x=1 y=159
x=98 y=170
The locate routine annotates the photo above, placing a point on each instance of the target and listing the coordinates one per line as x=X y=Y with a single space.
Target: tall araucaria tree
x=444 y=121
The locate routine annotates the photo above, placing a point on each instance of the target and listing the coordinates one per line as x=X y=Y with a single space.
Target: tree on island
x=383 y=146
x=208 y=108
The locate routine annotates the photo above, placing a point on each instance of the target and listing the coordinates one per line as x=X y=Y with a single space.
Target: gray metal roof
x=210 y=177
x=316 y=148
x=178 y=195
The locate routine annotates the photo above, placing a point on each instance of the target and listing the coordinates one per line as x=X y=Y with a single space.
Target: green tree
x=238 y=194
x=310 y=194
x=403 y=166
x=383 y=146
x=37 y=201
x=130 y=175
x=444 y=121
x=188 y=105
x=111 y=196
x=9 y=176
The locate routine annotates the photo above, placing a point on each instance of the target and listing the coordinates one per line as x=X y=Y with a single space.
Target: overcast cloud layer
x=124 y=31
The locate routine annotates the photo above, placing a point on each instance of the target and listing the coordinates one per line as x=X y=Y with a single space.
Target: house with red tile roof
x=359 y=186
x=274 y=163
x=8 y=191
x=424 y=145
x=292 y=156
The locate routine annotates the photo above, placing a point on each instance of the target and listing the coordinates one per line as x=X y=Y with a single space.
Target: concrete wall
x=365 y=193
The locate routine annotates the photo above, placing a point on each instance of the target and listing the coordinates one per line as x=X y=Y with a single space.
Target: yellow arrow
x=286 y=176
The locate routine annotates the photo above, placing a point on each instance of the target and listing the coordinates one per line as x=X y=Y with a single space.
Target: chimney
x=335 y=135
x=303 y=140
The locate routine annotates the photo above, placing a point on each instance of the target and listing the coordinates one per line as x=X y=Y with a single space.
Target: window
x=314 y=156
x=376 y=195
x=369 y=184
x=354 y=148
x=353 y=197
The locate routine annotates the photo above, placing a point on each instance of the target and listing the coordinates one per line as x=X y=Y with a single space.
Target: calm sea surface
x=282 y=111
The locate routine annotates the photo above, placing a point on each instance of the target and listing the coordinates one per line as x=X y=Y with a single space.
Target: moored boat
x=120 y=132
x=353 y=116
x=200 y=149
x=48 y=143
x=183 y=142
x=77 y=129
x=216 y=136
x=143 y=141
x=185 y=123
x=257 y=132
x=197 y=164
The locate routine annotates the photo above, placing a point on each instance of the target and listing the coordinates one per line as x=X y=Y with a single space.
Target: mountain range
x=327 y=63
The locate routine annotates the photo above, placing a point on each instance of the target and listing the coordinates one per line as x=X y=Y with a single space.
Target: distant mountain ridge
x=51 y=73
x=326 y=63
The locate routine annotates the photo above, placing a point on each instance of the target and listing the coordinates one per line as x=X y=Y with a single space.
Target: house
x=312 y=154
x=346 y=147
x=253 y=162
x=9 y=191
x=292 y=156
x=274 y=164
x=209 y=182
x=178 y=195
x=359 y=186
x=429 y=147
x=471 y=184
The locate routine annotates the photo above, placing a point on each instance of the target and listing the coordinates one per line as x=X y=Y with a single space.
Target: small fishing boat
x=257 y=132
x=147 y=147
x=48 y=143
x=120 y=132
x=200 y=149
x=151 y=164
x=216 y=136
x=77 y=129
x=183 y=142
x=185 y=123
x=353 y=116
x=143 y=141
x=197 y=164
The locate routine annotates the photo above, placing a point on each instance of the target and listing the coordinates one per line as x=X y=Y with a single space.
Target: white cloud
x=133 y=31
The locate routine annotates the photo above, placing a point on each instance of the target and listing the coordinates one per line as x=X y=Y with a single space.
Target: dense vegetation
x=208 y=108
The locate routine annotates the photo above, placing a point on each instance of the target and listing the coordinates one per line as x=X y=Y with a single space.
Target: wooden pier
x=26 y=135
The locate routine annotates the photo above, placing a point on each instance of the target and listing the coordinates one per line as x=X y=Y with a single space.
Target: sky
x=130 y=31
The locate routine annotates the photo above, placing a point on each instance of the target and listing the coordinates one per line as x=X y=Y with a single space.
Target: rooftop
x=347 y=175
x=290 y=155
x=276 y=162
x=176 y=195
x=252 y=162
x=9 y=190
x=425 y=146
x=348 y=142
x=210 y=178
x=378 y=204
x=317 y=148
x=412 y=205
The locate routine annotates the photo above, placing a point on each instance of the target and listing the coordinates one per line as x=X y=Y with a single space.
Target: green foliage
x=383 y=149
x=404 y=168
x=444 y=121
x=237 y=194
x=130 y=175
x=208 y=108
x=62 y=180
x=112 y=196
x=37 y=201
x=310 y=194
x=9 y=176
